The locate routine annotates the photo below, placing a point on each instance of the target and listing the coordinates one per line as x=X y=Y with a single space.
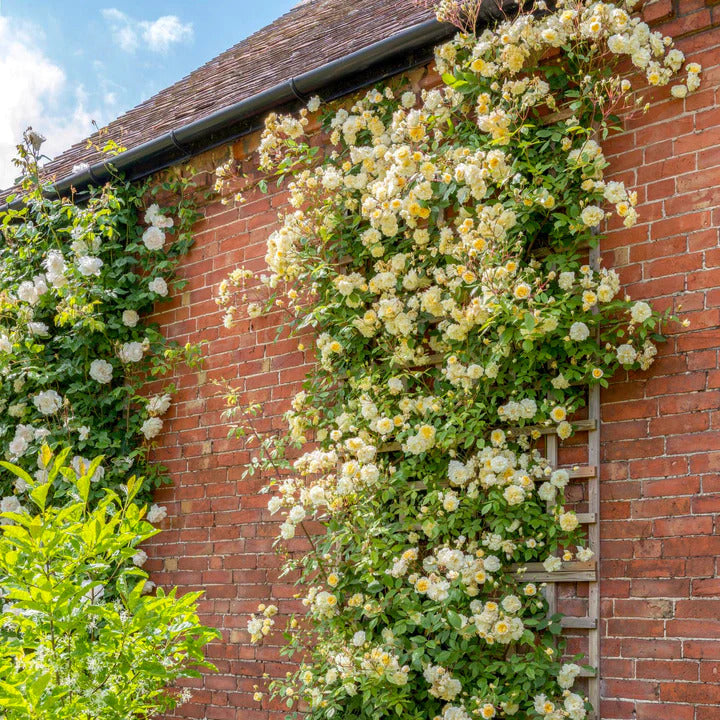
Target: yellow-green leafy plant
x=82 y=635
x=438 y=248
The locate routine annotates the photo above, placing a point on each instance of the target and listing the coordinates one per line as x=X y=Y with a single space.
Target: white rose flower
x=316 y=494
x=47 y=402
x=153 y=238
x=359 y=638
x=130 y=318
x=579 y=331
x=159 y=404
x=158 y=286
x=458 y=473
x=626 y=354
x=514 y=494
x=575 y=707
x=592 y=215
x=511 y=604
x=408 y=99
x=560 y=478
x=151 y=427
x=83 y=433
x=27 y=293
x=679 y=91
x=139 y=558
x=40 y=285
x=313 y=104
x=18 y=446
x=296 y=514
x=547 y=492
x=131 y=352
x=101 y=371
x=55 y=266
x=395 y=385
x=25 y=431
x=274 y=504
x=5 y=344
x=156 y=514
x=153 y=216
x=38 y=328
x=89 y=265
x=640 y=312
x=10 y=504
x=568 y=521
x=552 y=564
x=566 y=280
x=450 y=501
x=17 y=410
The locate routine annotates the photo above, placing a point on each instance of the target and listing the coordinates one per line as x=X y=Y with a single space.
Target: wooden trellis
x=577 y=572
x=583 y=572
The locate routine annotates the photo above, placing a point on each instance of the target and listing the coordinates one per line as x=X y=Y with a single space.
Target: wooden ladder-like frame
x=576 y=571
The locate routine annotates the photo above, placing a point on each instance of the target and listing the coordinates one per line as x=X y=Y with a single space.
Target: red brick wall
x=660 y=484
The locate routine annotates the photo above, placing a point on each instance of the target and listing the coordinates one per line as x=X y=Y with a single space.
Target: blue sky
x=65 y=64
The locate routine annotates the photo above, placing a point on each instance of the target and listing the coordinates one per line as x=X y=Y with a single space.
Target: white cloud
x=35 y=92
x=158 y=35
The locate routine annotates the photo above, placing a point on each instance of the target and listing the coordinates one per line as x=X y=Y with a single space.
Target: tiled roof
x=308 y=36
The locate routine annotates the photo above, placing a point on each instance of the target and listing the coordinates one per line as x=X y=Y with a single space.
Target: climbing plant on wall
x=77 y=281
x=437 y=246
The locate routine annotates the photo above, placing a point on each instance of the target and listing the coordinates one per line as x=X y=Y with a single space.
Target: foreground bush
x=82 y=635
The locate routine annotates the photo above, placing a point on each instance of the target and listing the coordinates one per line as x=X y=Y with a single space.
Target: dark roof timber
x=325 y=47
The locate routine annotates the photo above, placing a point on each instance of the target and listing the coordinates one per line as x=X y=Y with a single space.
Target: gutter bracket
x=173 y=138
x=301 y=96
x=93 y=177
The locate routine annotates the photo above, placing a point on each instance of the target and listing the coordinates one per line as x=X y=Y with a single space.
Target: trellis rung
x=390 y=447
x=578 y=623
x=584 y=518
x=578 y=426
x=587 y=518
x=587 y=471
x=568 y=572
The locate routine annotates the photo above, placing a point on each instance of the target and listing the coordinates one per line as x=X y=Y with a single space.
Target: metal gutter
x=401 y=52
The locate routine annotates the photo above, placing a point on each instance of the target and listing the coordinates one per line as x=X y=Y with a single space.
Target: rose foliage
x=77 y=277
x=438 y=249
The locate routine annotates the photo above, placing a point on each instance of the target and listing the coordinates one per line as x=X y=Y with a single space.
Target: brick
x=668 y=669
x=682 y=526
x=655 y=588
x=709 y=587
x=664 y=711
